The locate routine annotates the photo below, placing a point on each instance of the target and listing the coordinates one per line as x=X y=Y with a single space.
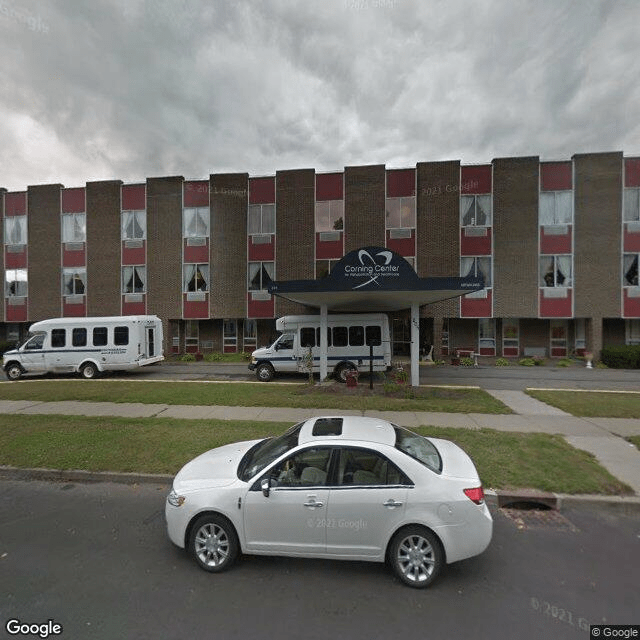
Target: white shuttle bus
x=349 y=338
x=88 y=346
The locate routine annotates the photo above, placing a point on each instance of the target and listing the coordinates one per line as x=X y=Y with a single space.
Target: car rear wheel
x=342 y=370
x=213 y=543
x=88 y=370
x=265 y=372
x=14 y=371
x=416 y=556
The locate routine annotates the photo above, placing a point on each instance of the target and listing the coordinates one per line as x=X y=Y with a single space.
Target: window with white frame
x=260 y=274
x=556 y=207
x=510 y=333
x=191 y=334
x=250 y=334
x=559 y=331
x=196 y=222
x=134 y=279
x=630 y=270
x=74 y=281
x=323 y=268
x=580 y=325
x=477 y=267
x=486 y=333
x=632 y=331
x=230 y=335
x=475 y=210
x=15 y=283
x=261 y=219
x=632 y=205
x=74 y=227
x=15 y=230
x=401 y=213
x=556 y=271
x=195 y=277
x=329 y=216
x=134 y=225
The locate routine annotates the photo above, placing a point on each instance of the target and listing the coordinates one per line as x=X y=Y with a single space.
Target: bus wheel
x=88 y=371
x=14 y=371
x=265 y=372
x=341 y=371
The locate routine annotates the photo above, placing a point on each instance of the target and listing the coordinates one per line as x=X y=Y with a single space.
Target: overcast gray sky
x=103 y=89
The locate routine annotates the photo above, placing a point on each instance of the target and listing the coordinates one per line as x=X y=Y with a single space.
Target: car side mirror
x=265 y=485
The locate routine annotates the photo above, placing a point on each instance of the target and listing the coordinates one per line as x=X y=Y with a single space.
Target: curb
x=625 y=504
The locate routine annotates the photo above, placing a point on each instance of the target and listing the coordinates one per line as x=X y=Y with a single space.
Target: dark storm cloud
x=132 y=89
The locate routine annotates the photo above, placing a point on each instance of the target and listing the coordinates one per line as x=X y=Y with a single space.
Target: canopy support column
x=324 y=346
x=415 y=345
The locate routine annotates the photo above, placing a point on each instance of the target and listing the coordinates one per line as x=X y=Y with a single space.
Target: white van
x=348 y=335
x=87 y=345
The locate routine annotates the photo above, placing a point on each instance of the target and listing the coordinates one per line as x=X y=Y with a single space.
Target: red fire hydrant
x=351 y=377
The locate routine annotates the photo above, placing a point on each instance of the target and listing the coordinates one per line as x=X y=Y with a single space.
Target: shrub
x=188 y=357
x=502 y=362
x=527 y=362
x=538 y=361
x=212 y=357
x=467 y=362
x=564 y=362
x=621 y=357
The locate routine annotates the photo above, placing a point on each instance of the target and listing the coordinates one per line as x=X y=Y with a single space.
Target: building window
x=134 y=225
x=510 y=334
x=555 y=271
x=196 y=222
x=632 y=205
x=230 y=336
x=250 y=335
x=74 y=282
x=401 y=213
x=558 y=336
x=15 y=230
x=329 y=216
x=556 y=207
x=475 y=211
x=487 y=333
x=15 y=283
x=261 y=219
x=476 y=268
x=74 y=227
x=196 y=277
x=630 y=270
x=260 y=274
x=134 y=279
x=323 y=268
x=580 y=325
x=191 y=335
x=632 y=331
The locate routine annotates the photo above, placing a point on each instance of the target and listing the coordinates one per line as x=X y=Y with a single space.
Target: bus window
x=58 y=337
x=356 y=336
x=340 y=337
x=374 y=336
x=100 y=336
x=121 y=336
x=79 y=337
x=307 y=337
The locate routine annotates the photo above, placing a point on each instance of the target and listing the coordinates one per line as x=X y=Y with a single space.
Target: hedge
x=621 y=357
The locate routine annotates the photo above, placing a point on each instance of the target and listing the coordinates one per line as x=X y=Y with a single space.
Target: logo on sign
x=373 y=267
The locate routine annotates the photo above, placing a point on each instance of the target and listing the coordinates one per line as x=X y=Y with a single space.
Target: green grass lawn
x=592 y=404
x=635 y=440
x=154 y=445
x=337 y=396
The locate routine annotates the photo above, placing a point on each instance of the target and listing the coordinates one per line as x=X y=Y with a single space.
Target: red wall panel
x=133 y=308
x=195 y=309
x=475 y=245
x=15 y=204
x=14 y=260
x=476 y=307
x=260 y=308
x=196 y=254
x=631 y=306
x=556 y=176
x=16 y=313
x=556 y=307
x=329 y=250
x=262 y=190
x=74 y=310
x=74 y=258
x=134 y=197
x=475 y=179
x=196 y=193
x=406 y=247
x=555 y=244
x=632 y=172
x=329 y=186
x=133 y=256
x=261 y=251
x=401 y=183
x=74 y=200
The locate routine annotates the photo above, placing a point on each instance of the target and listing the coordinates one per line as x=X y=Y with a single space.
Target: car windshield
x=419 y=448
x=265 y=452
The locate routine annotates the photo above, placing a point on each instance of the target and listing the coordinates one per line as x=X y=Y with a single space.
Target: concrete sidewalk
x=603 y=437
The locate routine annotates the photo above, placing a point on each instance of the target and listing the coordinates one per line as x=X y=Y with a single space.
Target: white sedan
x=347 y=488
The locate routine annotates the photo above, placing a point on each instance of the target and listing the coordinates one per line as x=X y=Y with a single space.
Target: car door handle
x=313 y=504
x=392 y=503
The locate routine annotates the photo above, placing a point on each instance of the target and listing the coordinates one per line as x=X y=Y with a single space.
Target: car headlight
x=174 y=499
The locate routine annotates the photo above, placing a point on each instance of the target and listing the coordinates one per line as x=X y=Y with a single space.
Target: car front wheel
x=213 y=543
x=416 y=556
x=14 y=371
x=265 y=372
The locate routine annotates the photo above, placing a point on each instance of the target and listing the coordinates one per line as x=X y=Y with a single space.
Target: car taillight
x=475 y=495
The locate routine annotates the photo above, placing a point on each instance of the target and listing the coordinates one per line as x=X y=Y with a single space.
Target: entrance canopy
x=373 y=279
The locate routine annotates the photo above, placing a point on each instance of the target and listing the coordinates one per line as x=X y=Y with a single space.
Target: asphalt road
x=513 y=378
x=95 y=559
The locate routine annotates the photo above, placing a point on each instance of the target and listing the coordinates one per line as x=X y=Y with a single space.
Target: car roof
x=337 y=428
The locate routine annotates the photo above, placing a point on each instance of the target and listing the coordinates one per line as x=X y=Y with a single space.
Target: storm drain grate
x=536 y=518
